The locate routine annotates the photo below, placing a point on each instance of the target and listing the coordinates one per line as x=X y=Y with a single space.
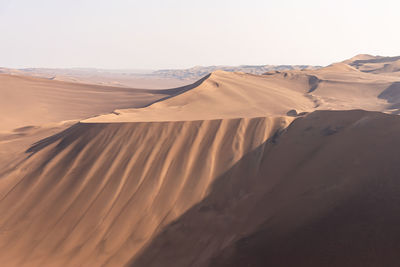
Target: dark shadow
x=224 y=190
x=303 y=198
x=391 y=94
x=77 y=131
x=180 y=90
x=313 y=82
x=25 y=128
x=358 y=63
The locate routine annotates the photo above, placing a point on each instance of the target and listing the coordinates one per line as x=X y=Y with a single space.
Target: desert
x=182 y=133
x=285 y=168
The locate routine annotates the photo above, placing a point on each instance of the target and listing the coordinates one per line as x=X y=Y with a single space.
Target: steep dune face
x=202 y=175
x=325 y=193
x=95 y=194
x=34 y=108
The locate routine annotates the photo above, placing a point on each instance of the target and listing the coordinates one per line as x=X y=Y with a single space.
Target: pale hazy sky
x=153 y=34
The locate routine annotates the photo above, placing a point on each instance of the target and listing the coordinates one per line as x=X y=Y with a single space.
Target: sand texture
x=288 y=168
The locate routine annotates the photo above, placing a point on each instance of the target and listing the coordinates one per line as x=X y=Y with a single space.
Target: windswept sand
x=233 y=170
x=223 y=95
x=325 y=193
x=239 y=95
x=97 y=193
x=30 y=101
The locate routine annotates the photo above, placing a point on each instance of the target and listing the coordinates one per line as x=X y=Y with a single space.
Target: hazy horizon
x=176 y=34
x=182 y=133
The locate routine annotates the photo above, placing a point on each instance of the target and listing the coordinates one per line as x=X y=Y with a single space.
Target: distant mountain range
x=199 y=71
x=168 y=78
x=128 y=78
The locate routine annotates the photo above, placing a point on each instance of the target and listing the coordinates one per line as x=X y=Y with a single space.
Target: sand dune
x=154 y=79
x=96 y=193
x=233 y=170
x=35 y=101
x=232 y=95
x=224 y=95
x=121 y=78
x=298 y=201
x=30 y=101
x=376 y=65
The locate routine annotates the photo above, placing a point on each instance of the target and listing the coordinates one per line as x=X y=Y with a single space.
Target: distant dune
x=289 y=168
x=35 y=101
x=119 y=78
x=377 y=65
x=154 y=79
x=199 y=71
x=230 y=95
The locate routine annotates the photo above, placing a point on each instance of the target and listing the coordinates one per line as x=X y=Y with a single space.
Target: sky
x=159 y=34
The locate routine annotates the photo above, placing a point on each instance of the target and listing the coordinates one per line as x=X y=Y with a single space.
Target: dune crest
x=239 y=95
x=307 y=203
x=95 y=194
x=220 y=95
x=234 y=169
x=36 y=101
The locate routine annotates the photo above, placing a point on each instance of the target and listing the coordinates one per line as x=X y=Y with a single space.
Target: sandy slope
x=28 y=101
x=158 y=79
x=32 y=101
x=231 y=95
x=224 y=95
x=121 y=78
x=214 y=158
x=96 y=193
x=376 y=65
x=14 y=144
x=299 y=201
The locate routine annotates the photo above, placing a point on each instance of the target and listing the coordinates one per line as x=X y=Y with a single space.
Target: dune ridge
x=232 y=95
x=32 y=101
x=209 y=174
x=376 y=64
x=305 y=203
x=96 y=193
